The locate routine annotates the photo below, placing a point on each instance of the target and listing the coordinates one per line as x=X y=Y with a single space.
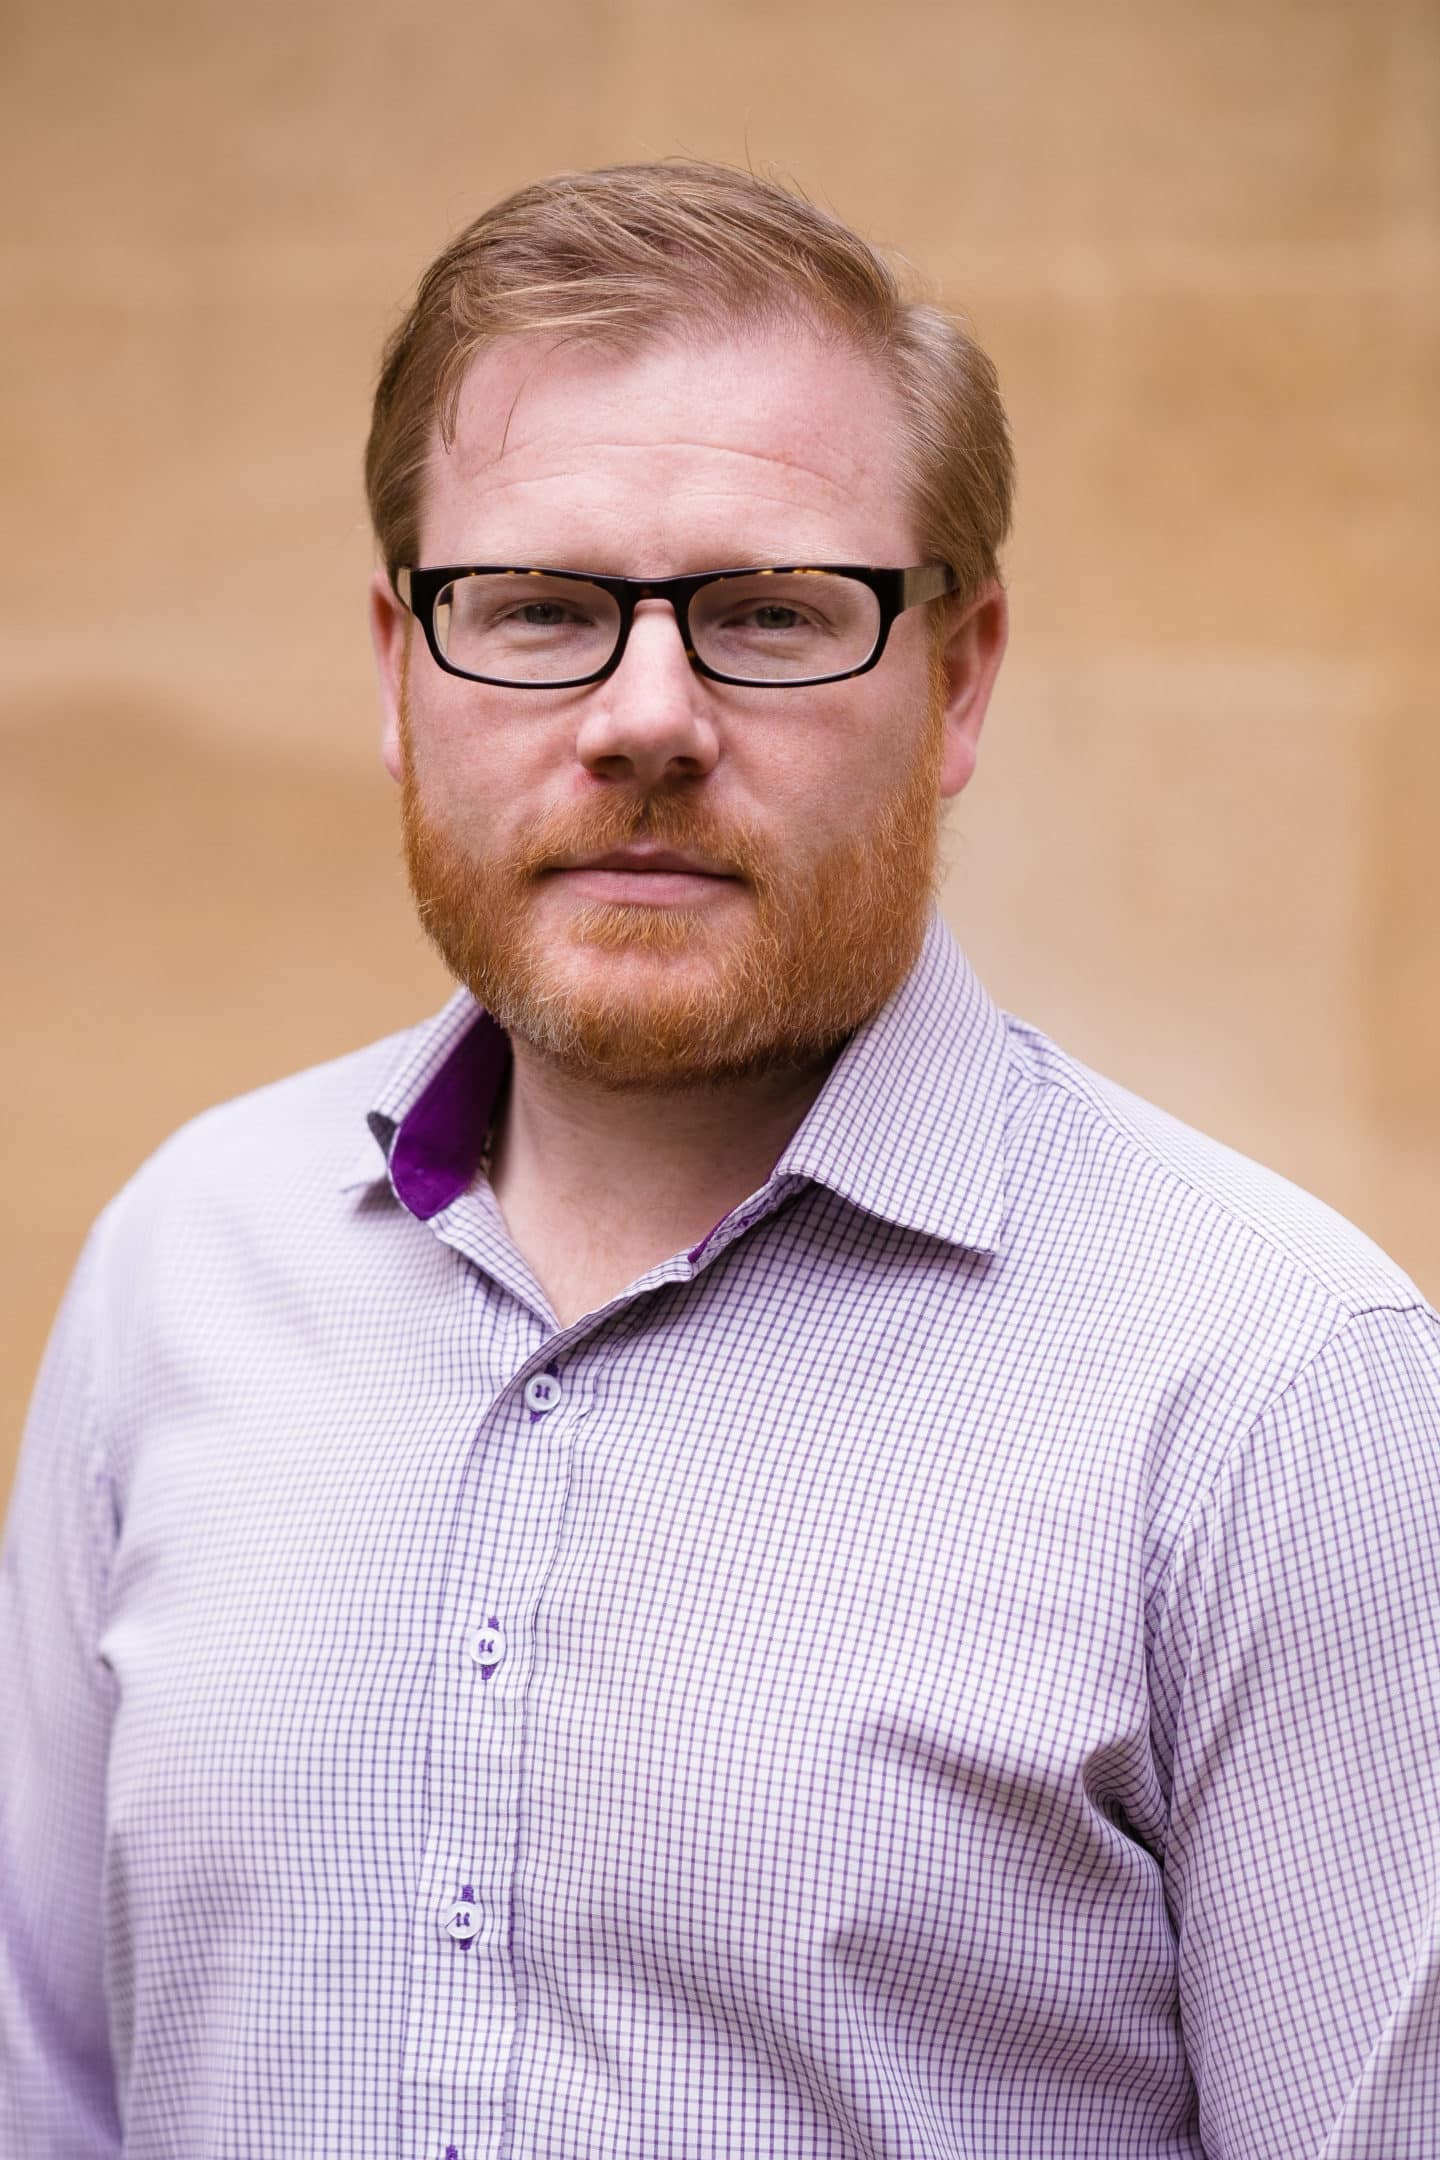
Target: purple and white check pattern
x=947 y=1669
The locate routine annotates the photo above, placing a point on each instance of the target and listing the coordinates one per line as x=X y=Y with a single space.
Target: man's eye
x=772 y=617
x=541 y=614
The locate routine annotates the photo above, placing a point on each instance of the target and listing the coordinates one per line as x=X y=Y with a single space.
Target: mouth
x=643 y=876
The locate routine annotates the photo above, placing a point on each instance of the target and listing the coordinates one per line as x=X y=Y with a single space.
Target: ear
x=974 y=647
x=390 y=623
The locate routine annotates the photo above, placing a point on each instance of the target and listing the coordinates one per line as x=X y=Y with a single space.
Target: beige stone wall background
x=1202 y=244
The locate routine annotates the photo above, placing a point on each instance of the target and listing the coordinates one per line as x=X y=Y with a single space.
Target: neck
x=597 y=1185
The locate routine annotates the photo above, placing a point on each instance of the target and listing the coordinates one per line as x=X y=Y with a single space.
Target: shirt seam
x=100 y=1465
x=1072 y=1090
x=1197 y=1514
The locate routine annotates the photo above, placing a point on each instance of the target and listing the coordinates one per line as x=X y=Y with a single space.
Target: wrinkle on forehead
x=654 y=456
x=498 y=415
x=777 y=445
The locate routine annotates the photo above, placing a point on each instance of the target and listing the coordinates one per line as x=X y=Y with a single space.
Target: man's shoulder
x=1177 y=1200
x=302 y=1130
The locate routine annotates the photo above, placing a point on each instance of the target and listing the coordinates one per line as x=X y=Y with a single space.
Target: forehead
x=687 y=453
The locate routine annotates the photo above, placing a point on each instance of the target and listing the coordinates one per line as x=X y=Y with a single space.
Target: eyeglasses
x=524 y=629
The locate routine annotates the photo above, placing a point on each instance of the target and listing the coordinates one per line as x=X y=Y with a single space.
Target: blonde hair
x=635 y=252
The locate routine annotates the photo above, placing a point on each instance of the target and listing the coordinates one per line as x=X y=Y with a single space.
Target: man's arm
x=57 y=2092
x=1299 y=1669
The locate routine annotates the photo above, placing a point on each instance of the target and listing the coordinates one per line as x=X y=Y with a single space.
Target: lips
x=645 y=861
x=643 y=876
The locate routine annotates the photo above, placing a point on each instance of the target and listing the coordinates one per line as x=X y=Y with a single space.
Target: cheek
x=469 y=761
x=829 y=774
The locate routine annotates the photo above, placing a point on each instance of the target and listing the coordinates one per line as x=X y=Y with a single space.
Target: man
x=764 y=1565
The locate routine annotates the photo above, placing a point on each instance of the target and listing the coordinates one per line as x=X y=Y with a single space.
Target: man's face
x=661 y=879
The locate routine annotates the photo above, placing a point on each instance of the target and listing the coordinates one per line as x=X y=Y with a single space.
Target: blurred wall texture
x=1202 y=244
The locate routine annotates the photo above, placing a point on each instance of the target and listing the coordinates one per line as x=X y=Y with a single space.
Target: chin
x=616 y=974
x=633 y=929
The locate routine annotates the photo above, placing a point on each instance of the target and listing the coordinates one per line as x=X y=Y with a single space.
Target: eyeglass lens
x=520 y=627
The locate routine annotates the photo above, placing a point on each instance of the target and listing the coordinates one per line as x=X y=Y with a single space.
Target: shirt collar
x=909 y=1125
x=431 y=1116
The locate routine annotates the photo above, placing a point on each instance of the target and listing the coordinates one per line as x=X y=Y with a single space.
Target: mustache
x=670 y=820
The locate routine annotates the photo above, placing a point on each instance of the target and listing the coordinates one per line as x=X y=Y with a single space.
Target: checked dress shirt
x=946 y=1669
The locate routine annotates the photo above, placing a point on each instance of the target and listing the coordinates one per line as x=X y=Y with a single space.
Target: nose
x=652 y=720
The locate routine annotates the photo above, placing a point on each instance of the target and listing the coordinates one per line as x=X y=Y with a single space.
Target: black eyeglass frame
x=896 y=590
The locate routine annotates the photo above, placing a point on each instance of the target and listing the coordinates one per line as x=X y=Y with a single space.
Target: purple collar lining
x=439 y=1142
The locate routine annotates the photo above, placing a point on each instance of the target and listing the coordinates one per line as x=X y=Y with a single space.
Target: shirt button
x=542 y=1392
x=462 y=1922
x=487 y=1645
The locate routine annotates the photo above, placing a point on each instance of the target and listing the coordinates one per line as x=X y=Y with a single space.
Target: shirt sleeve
x=1300 y=1652
x=57 y=2089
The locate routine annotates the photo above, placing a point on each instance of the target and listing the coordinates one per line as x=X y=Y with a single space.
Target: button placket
x=511 y=1508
